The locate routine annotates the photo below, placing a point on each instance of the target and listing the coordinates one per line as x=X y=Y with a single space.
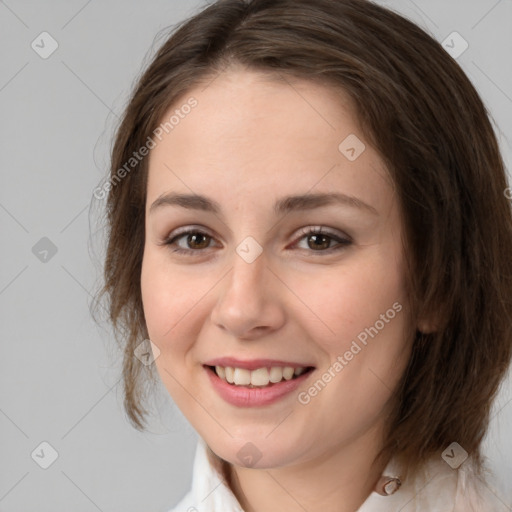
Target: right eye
x=195 y=239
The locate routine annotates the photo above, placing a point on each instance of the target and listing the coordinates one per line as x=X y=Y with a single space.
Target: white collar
x=437 y=487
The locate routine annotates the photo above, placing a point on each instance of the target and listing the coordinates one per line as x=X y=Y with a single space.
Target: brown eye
x=198 y=240
x=319 y=242
x=195 y=241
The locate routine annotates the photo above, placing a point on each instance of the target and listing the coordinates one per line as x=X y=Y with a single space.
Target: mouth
x=256 y=382
x=260 y=378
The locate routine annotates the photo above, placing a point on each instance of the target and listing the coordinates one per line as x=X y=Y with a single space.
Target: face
x=253 y=278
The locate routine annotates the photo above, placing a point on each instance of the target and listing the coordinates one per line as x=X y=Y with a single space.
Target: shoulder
x=475 y=491
x=437 y=486
x=463 y=489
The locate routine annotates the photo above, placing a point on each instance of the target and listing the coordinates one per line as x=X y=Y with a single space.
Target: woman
x=307 y=218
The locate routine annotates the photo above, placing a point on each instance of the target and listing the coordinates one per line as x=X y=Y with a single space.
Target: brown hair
x=422 y=114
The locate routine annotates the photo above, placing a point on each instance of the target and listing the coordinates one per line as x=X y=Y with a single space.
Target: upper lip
x=253 y=364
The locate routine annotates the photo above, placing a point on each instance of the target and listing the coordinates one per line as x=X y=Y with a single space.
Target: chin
x=254 y=452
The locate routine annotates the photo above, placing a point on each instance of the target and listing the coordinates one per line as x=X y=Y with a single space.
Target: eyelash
x=305 y=232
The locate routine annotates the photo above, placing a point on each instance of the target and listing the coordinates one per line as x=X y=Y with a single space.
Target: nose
x=249 y=301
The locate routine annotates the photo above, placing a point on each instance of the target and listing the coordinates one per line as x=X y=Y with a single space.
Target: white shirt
x=438 y=488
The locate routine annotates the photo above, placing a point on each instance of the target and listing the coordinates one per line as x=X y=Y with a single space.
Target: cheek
x=365 y=306
x=170 y=304
x=167 y=299
x=347 y=301
x=366 y=355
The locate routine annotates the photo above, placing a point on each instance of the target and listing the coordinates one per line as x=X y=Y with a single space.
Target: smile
x=263 y=383
x=260 y=377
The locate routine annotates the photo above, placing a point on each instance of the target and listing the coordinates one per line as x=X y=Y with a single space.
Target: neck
x=339 y=480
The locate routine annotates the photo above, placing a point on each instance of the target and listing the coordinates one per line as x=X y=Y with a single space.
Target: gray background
x=59 y=371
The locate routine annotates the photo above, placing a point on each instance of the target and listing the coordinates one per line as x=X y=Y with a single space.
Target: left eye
x=197 y=241
x=322 y=240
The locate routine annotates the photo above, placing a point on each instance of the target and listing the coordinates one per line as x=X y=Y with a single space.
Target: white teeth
x=220 y=372
x=287 y=372
x=276 y=374
x=242 y=377
x=260 y=377
x=229 y=374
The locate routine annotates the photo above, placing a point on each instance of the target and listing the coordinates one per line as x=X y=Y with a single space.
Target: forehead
x=250 y=133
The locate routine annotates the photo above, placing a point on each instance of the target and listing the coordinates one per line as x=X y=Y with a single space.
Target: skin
x=250 y=141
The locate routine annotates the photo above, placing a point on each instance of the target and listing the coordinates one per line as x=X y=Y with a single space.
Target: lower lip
x=254 y=397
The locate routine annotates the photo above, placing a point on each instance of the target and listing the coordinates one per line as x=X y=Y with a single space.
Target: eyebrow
x=282 y=206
